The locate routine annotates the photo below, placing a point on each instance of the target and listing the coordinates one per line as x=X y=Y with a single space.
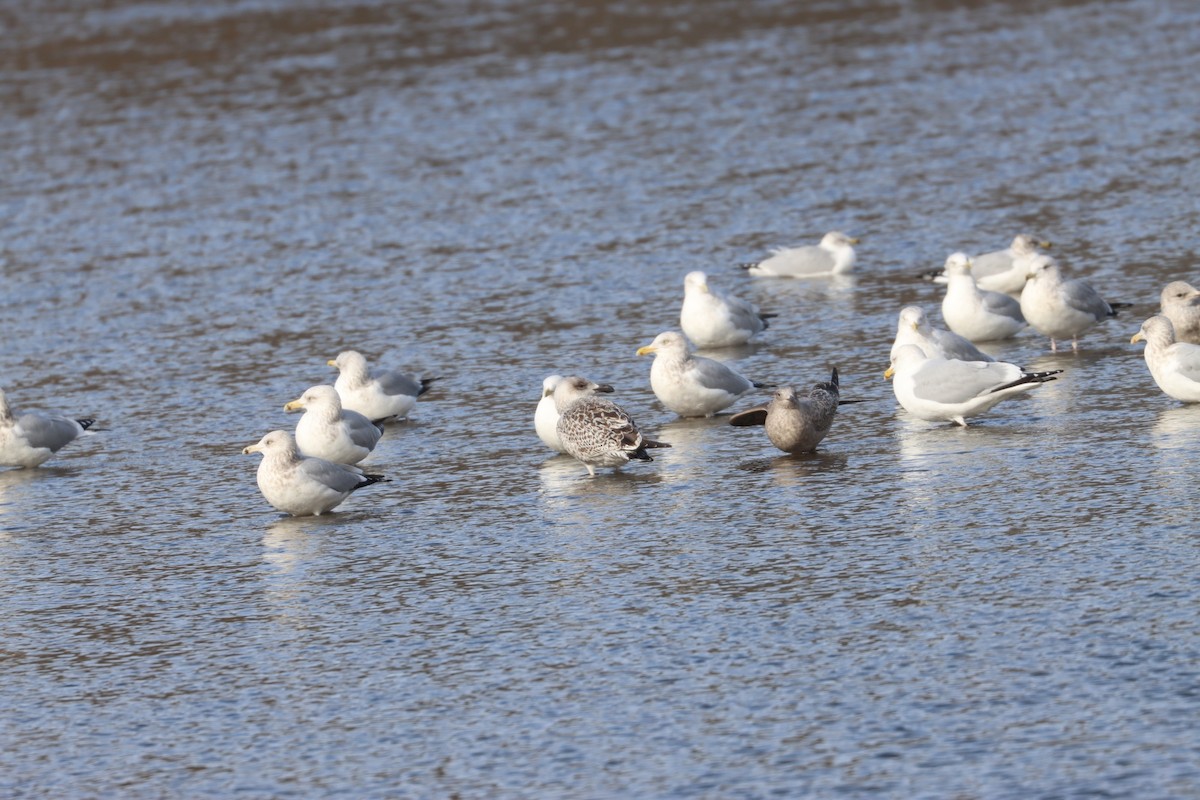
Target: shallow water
x=202 y=203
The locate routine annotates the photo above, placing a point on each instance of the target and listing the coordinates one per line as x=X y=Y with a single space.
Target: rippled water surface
x=203 y=202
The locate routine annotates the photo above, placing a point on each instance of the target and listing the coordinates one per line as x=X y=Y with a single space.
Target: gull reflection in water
x=1177 y=428
x=943 y=464
x=791 y=471
x=290 y=541
x=291 y=545
x=1175 y=436
x=16 y=489
x=695 y=444
x=571 y=497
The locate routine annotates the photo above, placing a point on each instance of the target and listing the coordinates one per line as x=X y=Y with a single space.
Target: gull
x=914 y=328
x=379 y=394
x=30 y=438
x=302 y=485
x=977 y=315
x=795 y=424
x=833 y=256
x=939 y=389
x=1181 y=304
x=596 y=431
x=690 y=385
x=1060 y=307
x=1175 y=366
x=328 y=431
x=1001 y=270
x=545 y=418
x=712 y=319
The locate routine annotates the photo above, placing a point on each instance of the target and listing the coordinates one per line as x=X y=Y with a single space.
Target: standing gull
x=939 y=389
x=1060 y=307
x=545 y=418
x=596 y=431
x=833 y=256
x=28 y=439
x=1175 y=366
x=795 y=424
x=1001 y=270
x=378 y=394
x=690 y=385
x=1181 y=304
x=975 y=314
x=328 y=431
x=299 y=485
x=914 y=328
x=712 y=319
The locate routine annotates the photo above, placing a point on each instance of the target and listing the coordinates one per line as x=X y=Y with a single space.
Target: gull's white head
x=273 y=442
x=1025 y=245
x=912 y=317
x=549 y=383
x=958 y=264
x=837 y=239
x=349 y=360
x=695 y=282
x=1041 y=265
x=320 y=396
x=904 y=356
x=1156 y=331
x=665 y=342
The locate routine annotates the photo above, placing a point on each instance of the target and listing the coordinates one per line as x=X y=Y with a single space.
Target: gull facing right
x=833 y=256
x=301 y=485
x=595 y=431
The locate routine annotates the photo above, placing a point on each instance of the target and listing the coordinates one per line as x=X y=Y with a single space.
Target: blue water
x=202 y=204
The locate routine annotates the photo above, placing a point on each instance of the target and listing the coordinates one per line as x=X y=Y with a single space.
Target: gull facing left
x=1060 y=307
x=939 y=389
x=713 y=319
x=691 y=385
x=301 y=485
x=328 y=431
x=1175 y=366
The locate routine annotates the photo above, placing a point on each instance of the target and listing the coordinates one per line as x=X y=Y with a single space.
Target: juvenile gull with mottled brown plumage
x=1180 y=303
x=795 y=424
x=596 y=431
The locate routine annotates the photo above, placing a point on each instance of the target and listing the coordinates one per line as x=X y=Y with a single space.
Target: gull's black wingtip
x=369 y=479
